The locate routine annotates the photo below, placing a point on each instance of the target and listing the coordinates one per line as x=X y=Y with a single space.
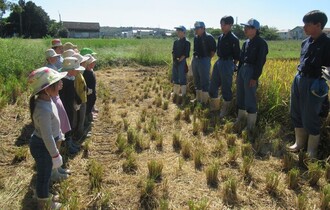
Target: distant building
x=298 y=33
x=82 y=29
x=127 y=34
x=284 y=34
x=327 y=31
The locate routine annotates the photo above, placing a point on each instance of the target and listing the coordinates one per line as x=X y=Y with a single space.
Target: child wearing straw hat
x=45 y=119
x=51 y=59
x=90 y=79
x=68 y=95
x=58 y=48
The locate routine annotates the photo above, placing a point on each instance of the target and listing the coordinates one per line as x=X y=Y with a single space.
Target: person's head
x=251 y=28
x=226 y=23
x=68 y=53
x=72 y=66
x=69 y=45
x=199 y=28
x=84 y=51
x=82 y=59
x=314 y=22
x=91 y=62
x=44 y=81
x=181 y=31
x=57 y=46
x=51 y=56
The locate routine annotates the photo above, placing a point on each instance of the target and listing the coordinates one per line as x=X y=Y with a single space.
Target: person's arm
x=261 y=59
x=44 y=122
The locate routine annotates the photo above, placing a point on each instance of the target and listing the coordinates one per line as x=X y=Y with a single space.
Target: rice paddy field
x=148 y=150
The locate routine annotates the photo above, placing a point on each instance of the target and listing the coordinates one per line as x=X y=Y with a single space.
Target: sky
x=282 y=14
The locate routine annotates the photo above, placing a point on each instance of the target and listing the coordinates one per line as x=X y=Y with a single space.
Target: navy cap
x=199 y=24
x=181 y=28
x=252 y=23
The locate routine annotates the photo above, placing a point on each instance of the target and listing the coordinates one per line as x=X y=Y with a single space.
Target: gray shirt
x=47 y=124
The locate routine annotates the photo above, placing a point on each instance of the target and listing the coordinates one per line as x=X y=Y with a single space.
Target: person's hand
x=89 y=91
x=76 y=107
x=252 y=83
x=57 y=161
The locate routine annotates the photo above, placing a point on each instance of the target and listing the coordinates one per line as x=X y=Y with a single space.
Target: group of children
x=62 y=107
x=309 y=92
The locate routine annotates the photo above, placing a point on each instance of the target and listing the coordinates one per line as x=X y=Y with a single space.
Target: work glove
x=57 y=161
x=326 y=72
x=76 y=106
x=89 y=91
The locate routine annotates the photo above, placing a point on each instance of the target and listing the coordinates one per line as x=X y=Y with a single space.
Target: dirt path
x=123 y=95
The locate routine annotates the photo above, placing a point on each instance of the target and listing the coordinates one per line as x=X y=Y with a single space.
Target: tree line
x=27 y=20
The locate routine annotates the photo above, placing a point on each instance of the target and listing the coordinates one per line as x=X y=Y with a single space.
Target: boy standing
x=180 y=51
x=58 y=47
x=204 y=49
x=252 y=60
x=222 y=75
x=305 y=101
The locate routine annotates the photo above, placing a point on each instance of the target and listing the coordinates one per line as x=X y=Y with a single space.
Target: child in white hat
x=44 y=83
x=69 y=96
x=90 y=79
x=51 y=58
x=58 y=47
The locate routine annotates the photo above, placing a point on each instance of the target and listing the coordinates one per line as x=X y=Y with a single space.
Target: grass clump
x=186 y=150
x=155 y=170
x=96 y=173
x=272 y=182
x=325 y=198
x=165 y=105
x=293 y=178
x=131 y=136
x=130 y=164
x=198 y=205
x=288 y=161
x=120 y=143
x=176 y=142
x=314 y=172
x=301 y=202
x=198 y=159
x=246 y=165
x=148 y=196
x=231 y=140
x=219 y=148
x=212 y=175
x=232 y=154
x=230 y=190
x=21 y=153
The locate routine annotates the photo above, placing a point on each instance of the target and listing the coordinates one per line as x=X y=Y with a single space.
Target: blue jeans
x=304 y=106
x=246 y=95
x=178 y=73
x=201 y=72
x=44 y=165
x=222 y=75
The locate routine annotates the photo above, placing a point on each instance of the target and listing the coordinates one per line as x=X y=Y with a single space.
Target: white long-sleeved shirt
x=47 y=124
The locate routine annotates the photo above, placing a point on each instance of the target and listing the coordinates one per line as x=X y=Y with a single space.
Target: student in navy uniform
x=180 y=51
x=228 y=52
x=309 y=90
x=252 y=59
x=204 y=50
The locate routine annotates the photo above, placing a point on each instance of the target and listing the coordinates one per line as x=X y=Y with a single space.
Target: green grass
x=24 y=55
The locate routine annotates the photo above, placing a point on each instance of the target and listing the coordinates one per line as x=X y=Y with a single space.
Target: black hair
x=32 y=105
x=315 y=17
x=227 y=20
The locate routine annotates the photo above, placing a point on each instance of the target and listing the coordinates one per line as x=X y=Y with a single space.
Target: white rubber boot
x=240 y=120
x=313 y=144
x=176 y=90
x=47 y=203
x=183 y=90
x=301 y=138
x=214 y=104
x=205 y=97
x=225 y=109
x=57 y=177
x=251 y=121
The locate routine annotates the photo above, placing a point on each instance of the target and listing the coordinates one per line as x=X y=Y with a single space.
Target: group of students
x=61 y=107
x=309 y=89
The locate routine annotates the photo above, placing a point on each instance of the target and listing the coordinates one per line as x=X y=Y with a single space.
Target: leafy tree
x=214 y=32
x=3 y=7
x=63 y=33
x=269 y=33
x=28 y=19
x=238 y=31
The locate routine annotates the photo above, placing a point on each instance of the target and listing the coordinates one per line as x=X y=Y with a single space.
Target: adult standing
x=252 y=59
x=180 y=52
x=309 y=90
x=228 y=52
x=204 y=50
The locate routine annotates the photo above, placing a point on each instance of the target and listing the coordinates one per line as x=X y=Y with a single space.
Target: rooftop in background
x=81 y=25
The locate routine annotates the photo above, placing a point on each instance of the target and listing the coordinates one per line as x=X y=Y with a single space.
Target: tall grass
x=23 y=55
